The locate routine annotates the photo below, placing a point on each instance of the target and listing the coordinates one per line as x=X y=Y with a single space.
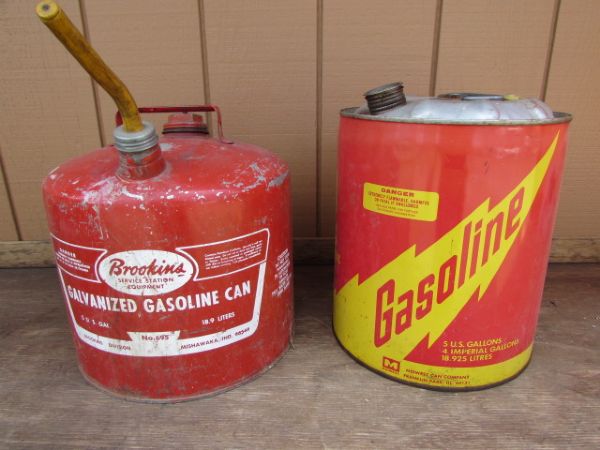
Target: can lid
x=185 y=123
x=388 y=103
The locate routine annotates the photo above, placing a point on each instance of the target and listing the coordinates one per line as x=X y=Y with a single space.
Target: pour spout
x=51 y=14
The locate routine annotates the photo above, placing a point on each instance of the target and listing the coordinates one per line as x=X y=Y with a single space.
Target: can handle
x=183 y=109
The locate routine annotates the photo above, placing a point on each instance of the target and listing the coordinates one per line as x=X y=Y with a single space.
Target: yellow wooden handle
x=62 y=27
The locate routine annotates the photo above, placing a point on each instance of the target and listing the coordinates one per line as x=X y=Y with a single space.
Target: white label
x=154 y=303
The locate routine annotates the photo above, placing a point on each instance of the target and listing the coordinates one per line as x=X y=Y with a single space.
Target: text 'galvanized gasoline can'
x=444 y=222
x=174 y=253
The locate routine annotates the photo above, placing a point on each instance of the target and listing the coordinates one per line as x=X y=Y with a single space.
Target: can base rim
x=188 y=398
x=427 y=386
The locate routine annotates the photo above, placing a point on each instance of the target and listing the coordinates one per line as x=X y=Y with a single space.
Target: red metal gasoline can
x=444 y=222
x=175 y=261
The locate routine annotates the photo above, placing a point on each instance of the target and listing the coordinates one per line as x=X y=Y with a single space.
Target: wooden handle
x=59 y=23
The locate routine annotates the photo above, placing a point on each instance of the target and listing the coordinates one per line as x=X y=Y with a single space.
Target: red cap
x=185 y=123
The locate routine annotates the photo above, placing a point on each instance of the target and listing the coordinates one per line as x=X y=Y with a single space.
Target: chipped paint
x=258 y=170
x=100 y=183
x=89 y=197
x=278 y=181
x=129 y=194
x=259 y=174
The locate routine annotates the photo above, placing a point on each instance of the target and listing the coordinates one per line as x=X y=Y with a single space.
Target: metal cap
x=385 y=97
x=137 y=141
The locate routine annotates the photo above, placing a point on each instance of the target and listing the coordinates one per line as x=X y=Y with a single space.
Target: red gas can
x=176 y=273
x=174 y=254
x=445 y=213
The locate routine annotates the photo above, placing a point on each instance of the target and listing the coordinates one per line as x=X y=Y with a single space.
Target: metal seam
x=95 y=94
x=319 y=121
x=9 y=196
x=559 y=117
x=550 y=50
x=435 y=50
x=204 y=56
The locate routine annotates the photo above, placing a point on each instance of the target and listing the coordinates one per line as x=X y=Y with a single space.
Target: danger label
x=398 y=202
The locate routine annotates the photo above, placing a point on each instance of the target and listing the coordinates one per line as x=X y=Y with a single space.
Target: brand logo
x=144 y=272
x=390 y=365
x=418 y=295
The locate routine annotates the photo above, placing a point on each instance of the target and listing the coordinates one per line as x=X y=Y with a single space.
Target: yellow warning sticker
x=398 y=202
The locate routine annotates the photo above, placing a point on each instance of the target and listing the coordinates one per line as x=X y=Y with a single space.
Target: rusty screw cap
x=385 y=97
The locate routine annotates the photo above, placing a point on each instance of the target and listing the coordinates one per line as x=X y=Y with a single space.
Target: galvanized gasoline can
x=445 y=214
x=174 y=253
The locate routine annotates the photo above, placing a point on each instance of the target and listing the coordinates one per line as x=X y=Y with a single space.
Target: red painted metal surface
x=175 y=265
x=399 y=281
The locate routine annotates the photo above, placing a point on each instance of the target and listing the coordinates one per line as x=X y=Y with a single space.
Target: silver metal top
x=464 y=108
x=137 y=141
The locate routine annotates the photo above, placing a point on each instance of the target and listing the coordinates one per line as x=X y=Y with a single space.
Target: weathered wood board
x=315 y=397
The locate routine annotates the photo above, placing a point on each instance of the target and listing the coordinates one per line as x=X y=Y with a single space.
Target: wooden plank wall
x=47 y=110
x=573 y=87
x=365 y=45
x=8 y=227
x=281 y=70
x=162 y=63
x=262 y=71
